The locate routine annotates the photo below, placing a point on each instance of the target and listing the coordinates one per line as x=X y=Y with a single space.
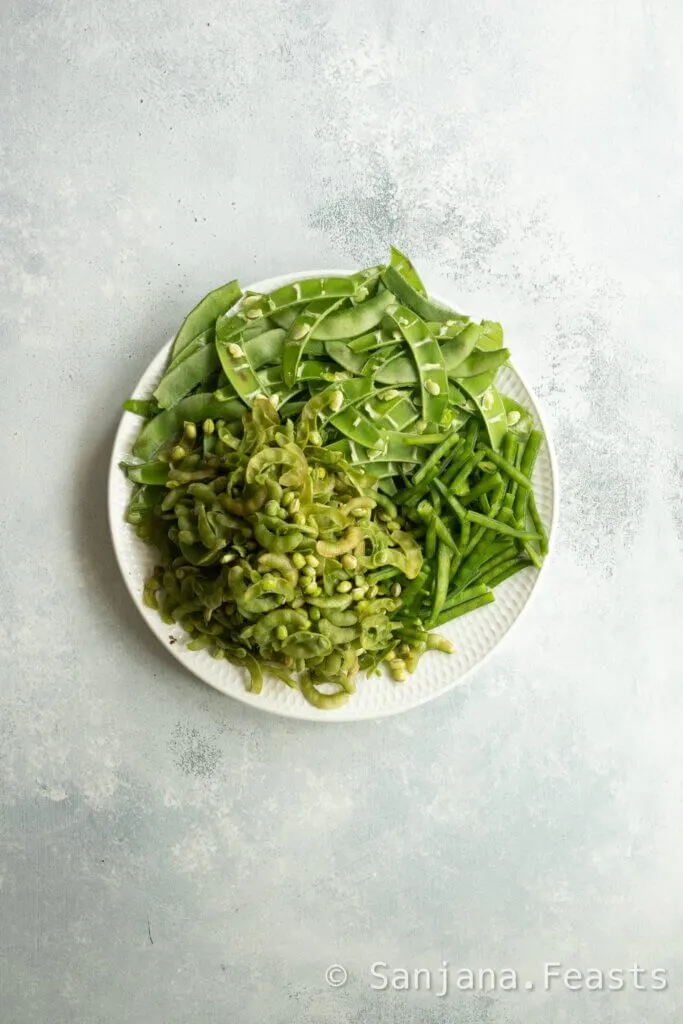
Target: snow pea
x=350 y=323
x=428 y=359
x=406 y=294
x=205 y=313
x=491 y=336
x=265 y=349
x=481 y=362
x=489 y=403
x=179 y=380
x=303 y=328
x=154 y=472
x=299 y=293
x=167 y=424
x=400 y=262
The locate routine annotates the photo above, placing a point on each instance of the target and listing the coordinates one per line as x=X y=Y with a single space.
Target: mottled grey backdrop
x=168 y=856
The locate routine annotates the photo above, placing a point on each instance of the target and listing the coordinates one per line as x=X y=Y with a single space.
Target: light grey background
x=168 y=856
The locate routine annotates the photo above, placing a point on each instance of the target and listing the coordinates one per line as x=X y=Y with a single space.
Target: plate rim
x=304 y=711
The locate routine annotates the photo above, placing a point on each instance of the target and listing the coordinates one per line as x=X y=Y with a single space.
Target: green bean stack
x=329 y=472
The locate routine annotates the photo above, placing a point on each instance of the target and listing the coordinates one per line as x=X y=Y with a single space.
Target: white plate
x=475 y=635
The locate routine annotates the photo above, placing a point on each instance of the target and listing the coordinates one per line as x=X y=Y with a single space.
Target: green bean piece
x=459 y=486
x=498 y=527
x=488 y=483
x=448 y=444
x=443 y=566
x=508 y=569
x=428 y=360
x=456 y=506
x=204 y=315
x=508 y=468
x=427 y=513
x=526 y=467
x=463 y=596
x=465 y=608
x=538 y=524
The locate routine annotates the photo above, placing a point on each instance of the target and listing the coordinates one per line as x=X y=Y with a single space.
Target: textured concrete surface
x=167 y=855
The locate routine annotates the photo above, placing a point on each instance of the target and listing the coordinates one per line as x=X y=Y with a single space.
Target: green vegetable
x=329 y=471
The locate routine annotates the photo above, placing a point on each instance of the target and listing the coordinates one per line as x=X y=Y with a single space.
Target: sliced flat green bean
x=520 y=421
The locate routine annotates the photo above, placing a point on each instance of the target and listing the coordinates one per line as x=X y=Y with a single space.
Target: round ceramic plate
x=475 y=636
